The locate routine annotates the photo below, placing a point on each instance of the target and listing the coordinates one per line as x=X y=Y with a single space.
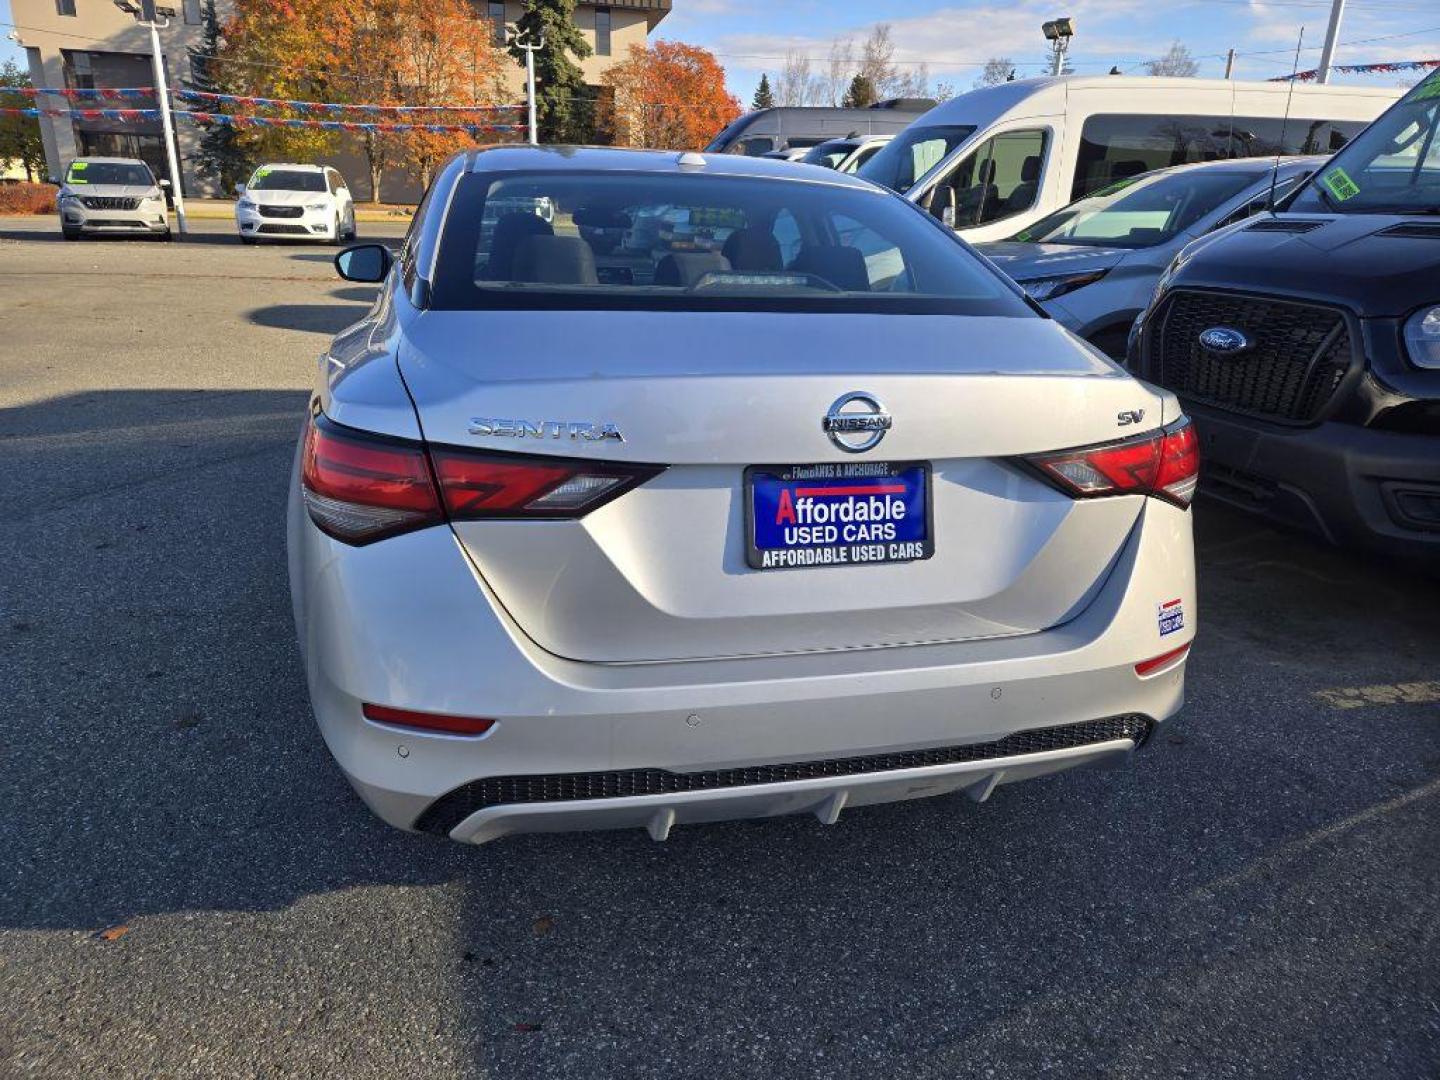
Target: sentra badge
x=578 y=430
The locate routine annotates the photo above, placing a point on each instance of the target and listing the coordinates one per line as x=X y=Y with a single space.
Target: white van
x=994 y=160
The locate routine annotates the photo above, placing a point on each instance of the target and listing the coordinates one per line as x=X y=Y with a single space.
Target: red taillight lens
x=1165 y=464
x=476 y=485
x=360 y=487
x=424 y=721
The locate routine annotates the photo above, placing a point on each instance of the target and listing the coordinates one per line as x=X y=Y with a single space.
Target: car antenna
x=1284 y=126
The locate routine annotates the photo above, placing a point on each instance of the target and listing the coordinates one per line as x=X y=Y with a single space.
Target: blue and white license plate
x=839 y=514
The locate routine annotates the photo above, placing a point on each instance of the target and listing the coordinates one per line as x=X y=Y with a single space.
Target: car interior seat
x=555 y=260
x=510 y=231
x=753 y=251
x=843 y=267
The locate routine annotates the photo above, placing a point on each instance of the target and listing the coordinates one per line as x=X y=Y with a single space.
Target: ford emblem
x=1224 y=339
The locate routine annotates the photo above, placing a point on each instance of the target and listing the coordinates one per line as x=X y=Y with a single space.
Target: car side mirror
x=941 y=203
x=53 y=180
x=365 y=263
x=164 y=183
x=239 y=189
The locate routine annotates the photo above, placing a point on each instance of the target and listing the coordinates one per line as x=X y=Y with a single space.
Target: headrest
x=555 y=260
x=753 y=251
x=843 y=267
x=686 y=268
x=1122 y=169
x=510 y=230
x=987 y=172
x=1030 y=169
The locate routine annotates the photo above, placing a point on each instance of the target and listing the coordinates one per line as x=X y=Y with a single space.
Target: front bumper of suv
x=1350 y=485
x=147 y=219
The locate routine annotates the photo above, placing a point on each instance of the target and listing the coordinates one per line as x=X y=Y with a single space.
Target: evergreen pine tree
x=764 y=96
x=564 y=105
x=861 y=94
x=221 y=156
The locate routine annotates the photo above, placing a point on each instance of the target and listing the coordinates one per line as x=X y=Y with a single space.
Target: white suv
x=116 y=196
x=295 y=202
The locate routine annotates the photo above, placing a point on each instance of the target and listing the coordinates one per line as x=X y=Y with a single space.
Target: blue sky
x=955 y=38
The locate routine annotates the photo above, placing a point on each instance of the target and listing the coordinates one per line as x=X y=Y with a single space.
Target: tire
x=166 y=237
x=337 y=237
x=70 y=234
x=249 y=241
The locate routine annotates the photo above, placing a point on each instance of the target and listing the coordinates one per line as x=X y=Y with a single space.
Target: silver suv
x=117 y=196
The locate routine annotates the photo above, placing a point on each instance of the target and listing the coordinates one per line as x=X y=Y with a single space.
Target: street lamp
x=1058 y=32
x=523 y=41
x=153 y=16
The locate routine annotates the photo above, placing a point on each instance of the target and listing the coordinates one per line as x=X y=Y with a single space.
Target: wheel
x=248 y=240
x=337 y=237
x=351 y=232
x=166 y=236
x=70 y=234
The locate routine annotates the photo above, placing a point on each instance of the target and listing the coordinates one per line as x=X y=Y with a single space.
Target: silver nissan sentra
x=665 y=488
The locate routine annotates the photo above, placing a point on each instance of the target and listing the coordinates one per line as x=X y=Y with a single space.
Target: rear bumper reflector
x=423 y=721
x=1164 y=660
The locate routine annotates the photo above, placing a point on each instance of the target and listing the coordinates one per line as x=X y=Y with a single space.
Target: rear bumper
x=408 y=623
x=1350 y=485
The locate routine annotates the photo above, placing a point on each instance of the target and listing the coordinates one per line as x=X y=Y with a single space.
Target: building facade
x=92 y=44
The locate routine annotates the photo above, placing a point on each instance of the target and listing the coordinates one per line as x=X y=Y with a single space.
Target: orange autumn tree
x=375 y=52
x=445 y=56
x=670 y=96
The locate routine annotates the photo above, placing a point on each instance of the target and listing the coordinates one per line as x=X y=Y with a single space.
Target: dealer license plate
x=839 y=514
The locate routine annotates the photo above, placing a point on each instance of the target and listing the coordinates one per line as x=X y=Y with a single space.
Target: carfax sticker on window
x=1171 y=614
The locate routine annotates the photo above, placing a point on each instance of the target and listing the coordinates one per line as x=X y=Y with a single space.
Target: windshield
x=110 y=172
x=829 y=154
x=1393 y=166
x=268 y=179
x=727 y=134
x=681 y=241
x=1141 y=212
x=913 y=153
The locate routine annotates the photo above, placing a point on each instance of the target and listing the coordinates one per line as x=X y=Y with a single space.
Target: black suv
x=1306 y=344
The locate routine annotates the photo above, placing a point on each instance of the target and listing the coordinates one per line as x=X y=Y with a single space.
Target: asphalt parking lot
x=189 y=888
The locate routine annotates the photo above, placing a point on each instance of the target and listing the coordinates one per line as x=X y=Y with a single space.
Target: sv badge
x=1129 y=416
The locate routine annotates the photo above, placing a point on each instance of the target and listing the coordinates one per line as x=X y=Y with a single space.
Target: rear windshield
x=682 y=241
x=829 y=154
x=109 y=172
x=1393 y=166
x=1141 y=213
x=913 y=153
x=266 y=179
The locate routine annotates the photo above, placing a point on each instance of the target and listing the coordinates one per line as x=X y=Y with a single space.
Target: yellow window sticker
x=76 y=167
x=261 y=173
x=1340 y=185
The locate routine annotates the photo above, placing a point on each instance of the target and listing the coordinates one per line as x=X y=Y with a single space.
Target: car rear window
x=686 y=241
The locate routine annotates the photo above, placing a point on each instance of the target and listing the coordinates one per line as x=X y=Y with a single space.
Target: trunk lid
x=661 y=573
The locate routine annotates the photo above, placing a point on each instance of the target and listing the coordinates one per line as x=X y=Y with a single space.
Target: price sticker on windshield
x=1340 y=185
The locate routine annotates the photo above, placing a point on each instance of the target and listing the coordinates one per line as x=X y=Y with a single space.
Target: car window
x=754 y=147
x=913 y=153
x=999 y=179
x=861 y=158
x=1144 y=212
x=829 y=155
x=1391 y=167
x=268 y=179
x=671 y=241
x=1259 y=203
x=109 y=172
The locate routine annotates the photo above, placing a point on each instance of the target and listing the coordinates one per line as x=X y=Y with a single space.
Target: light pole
x=531 y=48
x=148 y=15
x=1327 y=54
x=1058 y=32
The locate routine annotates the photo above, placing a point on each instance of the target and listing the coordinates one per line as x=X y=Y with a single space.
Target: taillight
x=477 y=485
x=1164 y=660
x=1165 y=464
x=361 y=487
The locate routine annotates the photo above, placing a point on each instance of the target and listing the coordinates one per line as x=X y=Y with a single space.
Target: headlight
x=318 y=206
x=1048 y=288
x=1422 y=337
x=68 y=196
x=245 y=204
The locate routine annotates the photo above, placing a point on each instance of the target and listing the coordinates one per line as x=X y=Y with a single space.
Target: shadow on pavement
x=327 y=319
x=161 y=758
